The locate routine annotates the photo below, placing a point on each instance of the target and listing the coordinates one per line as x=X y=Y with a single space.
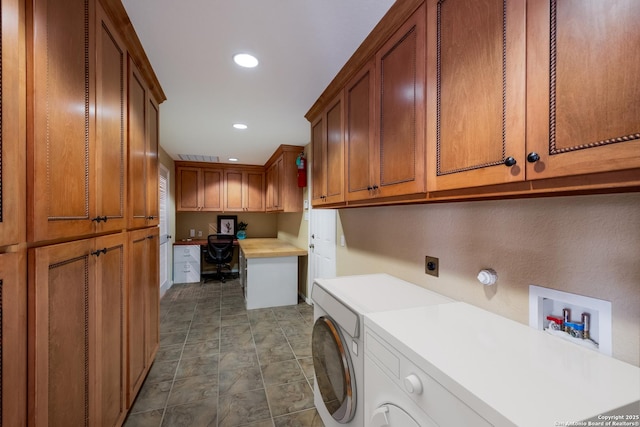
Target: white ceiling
x=301 y=46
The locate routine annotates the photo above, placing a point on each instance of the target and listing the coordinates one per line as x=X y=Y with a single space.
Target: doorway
x=165 y=238
x=322 y=246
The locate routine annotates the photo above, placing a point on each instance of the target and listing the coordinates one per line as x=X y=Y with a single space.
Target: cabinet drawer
x=186 y=253
x=186 y=272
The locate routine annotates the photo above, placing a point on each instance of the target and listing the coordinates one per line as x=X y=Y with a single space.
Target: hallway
x=222 y=365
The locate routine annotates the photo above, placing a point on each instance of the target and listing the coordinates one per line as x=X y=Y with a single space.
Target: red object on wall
x=301 y=162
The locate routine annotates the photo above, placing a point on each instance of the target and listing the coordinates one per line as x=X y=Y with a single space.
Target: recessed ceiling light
x=239 y=126
x=245 y=60
x=233 y=159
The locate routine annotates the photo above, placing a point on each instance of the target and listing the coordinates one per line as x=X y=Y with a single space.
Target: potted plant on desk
x=242 y=230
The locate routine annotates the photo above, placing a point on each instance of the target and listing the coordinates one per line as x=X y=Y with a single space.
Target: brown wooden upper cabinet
x=12 y=125
x=369 y=141
x=198 y=189
x=582 y=112
x=244 y=190
x=143 y=152
x=327 y=142
x=282 y=191
x=219 y=187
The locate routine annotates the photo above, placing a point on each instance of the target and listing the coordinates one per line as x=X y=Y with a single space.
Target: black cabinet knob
x=533 y=157
x=510 y=161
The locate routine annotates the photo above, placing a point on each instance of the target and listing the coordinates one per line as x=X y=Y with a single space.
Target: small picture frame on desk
x=227 y=224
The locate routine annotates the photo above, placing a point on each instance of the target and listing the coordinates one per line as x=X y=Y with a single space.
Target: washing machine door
x=390 y=415
x=334 y=370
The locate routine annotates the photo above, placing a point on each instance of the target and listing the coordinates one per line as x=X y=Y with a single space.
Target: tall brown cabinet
x=78 y=139
x=13 y=264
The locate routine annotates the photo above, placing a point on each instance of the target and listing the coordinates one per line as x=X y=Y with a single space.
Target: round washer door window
x=333 y=369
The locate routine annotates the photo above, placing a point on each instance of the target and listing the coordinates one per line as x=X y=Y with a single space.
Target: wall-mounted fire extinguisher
x=301 y=162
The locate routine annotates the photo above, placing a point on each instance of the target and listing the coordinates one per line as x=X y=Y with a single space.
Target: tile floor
x=222 y=365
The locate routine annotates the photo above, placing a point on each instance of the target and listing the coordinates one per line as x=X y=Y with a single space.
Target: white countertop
x=498 y=366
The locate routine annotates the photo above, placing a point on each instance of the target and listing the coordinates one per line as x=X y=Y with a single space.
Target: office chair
x=219 y=252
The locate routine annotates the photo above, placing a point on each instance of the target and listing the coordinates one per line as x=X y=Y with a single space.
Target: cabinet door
x=328 y=155
x=255 y=192
x=318 y=160
x=211 y=190
x=359 y=134
x=274 y=186
x=583 y=91
x=335 y=152
x=111 y=147
x=400 y=134
x=151 y=157
x=243 y=191
x=143 y=299
x=137 y=128
x=61 y=337
x=13 y=344
x=136 y=315
x=110 y=333
x=12 y=124
x=152 y=297
x=233 y=191
x=61 y=140
x=476 y=99
x=187 y=187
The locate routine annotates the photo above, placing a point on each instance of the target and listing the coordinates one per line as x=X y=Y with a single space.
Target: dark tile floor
x=222 y=365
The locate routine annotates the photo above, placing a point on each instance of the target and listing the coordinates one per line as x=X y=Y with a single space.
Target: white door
x=165 y=238
x=322 y=245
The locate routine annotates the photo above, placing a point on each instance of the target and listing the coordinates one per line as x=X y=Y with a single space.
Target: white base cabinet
x=269 y=282
x=186 y=263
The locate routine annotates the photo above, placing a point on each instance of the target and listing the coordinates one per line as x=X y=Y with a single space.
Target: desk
x=188 y=262
x=269 y=272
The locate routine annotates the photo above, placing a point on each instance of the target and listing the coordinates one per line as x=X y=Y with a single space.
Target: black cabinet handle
x=510 y=161
x=533 y=157
x=99 y=251
x=369 y=188
x=100 y=218
x=375 y=186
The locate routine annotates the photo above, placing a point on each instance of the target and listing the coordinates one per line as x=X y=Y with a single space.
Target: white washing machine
x=400 y=394
x=338 y=341
x=458 y=365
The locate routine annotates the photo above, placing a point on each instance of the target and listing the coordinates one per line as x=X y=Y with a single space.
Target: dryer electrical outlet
x=431 y=265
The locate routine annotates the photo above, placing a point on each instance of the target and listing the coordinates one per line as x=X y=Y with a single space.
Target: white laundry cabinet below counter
x=269 y=272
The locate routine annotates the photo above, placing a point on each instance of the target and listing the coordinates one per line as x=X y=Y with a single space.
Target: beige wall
x=588 y=245
x=294 y=228
x=260 y=224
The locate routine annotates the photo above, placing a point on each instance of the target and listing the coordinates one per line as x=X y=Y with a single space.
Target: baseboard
x=305 y=298
x=165 y=288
